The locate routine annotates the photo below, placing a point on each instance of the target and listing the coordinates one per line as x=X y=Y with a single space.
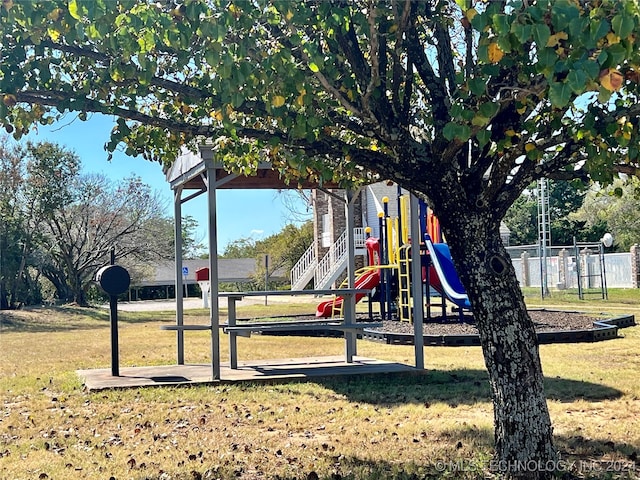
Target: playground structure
x=389 y=268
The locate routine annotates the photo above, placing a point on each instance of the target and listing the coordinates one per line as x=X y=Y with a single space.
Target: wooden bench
x=345 y=325
x=300 y=326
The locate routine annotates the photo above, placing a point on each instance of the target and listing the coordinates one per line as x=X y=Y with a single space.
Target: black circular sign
x=113 y=279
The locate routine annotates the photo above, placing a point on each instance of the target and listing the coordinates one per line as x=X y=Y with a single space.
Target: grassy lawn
x=435 y=426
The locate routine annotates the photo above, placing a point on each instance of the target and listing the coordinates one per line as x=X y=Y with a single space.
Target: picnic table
x=345 y=324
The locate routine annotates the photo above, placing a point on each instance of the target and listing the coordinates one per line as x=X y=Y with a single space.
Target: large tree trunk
x=523 y=431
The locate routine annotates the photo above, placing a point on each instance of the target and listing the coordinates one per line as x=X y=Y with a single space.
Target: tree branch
x=349 y=44
x=434 y=84
x=304 y=58
x=445 y=55
x=374 y=50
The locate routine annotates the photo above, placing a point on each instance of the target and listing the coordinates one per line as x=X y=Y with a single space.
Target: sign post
x=185 y=272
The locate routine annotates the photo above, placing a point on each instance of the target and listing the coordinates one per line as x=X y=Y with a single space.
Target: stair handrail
x=304 y=263
x=337 y=253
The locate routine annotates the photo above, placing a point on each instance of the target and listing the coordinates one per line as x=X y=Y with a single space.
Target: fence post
x=635 y=264
x=526 y=279
x=587 y=270
x=562 y=269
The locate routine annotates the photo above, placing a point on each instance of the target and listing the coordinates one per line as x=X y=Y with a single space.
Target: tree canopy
x=538 y=87
x=618 y=208
x=565 y=199
x=464 y=103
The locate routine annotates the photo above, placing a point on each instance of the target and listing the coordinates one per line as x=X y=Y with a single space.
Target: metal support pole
x=603 y=273
x=383 y=271
x=177 y=214
x=233 y=336
x=266 y=277
x=113 y=309
x=350 y=300
x=416 y=284
x=214 y=311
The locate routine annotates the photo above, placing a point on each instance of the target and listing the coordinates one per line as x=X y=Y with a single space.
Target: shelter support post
x=177 y=214
x=416 y=284
x=214 y=310
x=350 y=300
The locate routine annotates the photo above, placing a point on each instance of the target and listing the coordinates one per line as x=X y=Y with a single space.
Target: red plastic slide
x=369 y=279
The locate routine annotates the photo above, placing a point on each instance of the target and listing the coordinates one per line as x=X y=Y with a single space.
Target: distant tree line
x=58 y=225
x=283 y=248
x=578 y=210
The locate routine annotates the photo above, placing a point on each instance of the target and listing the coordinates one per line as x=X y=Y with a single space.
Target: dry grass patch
x=352 y=428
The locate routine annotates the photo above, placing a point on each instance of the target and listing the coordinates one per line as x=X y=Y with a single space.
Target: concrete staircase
x=326 y=271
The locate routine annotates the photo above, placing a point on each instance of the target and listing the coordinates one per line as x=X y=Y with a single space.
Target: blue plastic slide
x=451 y=285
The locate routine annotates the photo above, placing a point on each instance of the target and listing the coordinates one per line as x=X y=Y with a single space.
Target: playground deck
x=283 y=370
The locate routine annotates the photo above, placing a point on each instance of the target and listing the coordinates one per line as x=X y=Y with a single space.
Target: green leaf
x=577 y=81
x=559 y=94
x=591 y=68
x=483 y=137
x=541 y=34
x=577 y=26
x=449 y=130
x=479 y=121
x=479 y=22
x=562 y=13
x=488 y=109
x=501 y=23
x=464 y=133
x=615 y=55
x=453 y=131
x=604 y=95
x=622 y=24
x=478 y=85
x=314 y=68
x=522 y=32
x=598 y=29
x=548 y=57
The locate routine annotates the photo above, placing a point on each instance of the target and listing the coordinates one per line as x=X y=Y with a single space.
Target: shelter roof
x=189 y=171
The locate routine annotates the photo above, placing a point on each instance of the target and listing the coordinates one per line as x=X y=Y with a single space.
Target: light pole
x=266 y=276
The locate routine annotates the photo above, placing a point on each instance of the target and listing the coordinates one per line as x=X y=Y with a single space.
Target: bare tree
x=81 y=217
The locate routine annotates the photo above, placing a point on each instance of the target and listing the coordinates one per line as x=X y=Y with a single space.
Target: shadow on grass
x=454 y=387
x=467 y=453
x=594 y=462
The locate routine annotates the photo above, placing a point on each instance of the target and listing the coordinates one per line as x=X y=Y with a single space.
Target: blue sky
x=241 y=213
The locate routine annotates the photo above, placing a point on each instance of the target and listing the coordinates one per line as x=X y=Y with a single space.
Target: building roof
x=230 y=270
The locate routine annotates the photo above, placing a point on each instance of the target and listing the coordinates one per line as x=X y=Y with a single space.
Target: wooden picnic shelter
x=199 y=173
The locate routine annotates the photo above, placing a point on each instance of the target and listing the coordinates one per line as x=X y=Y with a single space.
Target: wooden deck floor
x=287 y=369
